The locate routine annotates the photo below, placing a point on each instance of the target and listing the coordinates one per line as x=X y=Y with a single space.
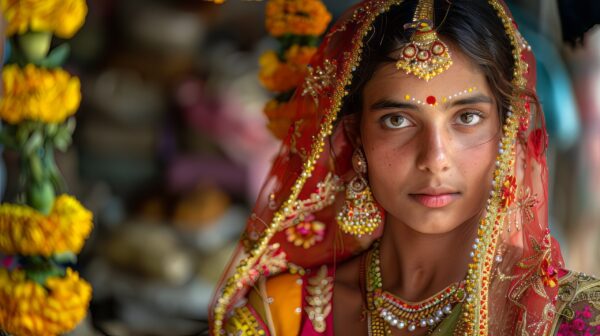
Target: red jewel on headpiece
x=431 y=100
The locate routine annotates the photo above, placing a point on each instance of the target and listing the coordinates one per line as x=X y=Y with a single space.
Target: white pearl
x=412 y=327
x=423 y=323
x=401 y=325
x=499 y=258
x=448 y=309
x=439 y=313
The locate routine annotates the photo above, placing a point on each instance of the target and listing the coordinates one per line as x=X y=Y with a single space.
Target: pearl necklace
x=386 y=310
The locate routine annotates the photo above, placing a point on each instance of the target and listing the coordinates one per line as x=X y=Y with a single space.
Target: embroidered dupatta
x=293 y=224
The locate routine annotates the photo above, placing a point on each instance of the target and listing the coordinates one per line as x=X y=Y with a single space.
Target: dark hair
x=472 y=25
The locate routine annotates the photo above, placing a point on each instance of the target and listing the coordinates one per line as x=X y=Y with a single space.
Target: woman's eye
x=395 y=121
x=469 y=118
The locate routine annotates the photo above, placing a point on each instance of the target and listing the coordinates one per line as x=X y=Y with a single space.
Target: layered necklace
x=386 y=311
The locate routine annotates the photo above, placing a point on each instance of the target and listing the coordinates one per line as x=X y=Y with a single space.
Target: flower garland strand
x=41 y=233
x=297 y=25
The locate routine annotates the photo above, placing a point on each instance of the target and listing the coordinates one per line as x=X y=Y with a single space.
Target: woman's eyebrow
x=475 y=99
x=387 y=103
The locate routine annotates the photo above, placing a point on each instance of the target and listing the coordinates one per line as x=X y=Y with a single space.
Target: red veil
x=293 y=224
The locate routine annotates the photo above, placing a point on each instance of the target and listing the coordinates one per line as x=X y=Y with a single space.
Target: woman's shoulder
x=578 y=304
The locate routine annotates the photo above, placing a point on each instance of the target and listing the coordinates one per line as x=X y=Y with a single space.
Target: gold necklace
x=386 y=311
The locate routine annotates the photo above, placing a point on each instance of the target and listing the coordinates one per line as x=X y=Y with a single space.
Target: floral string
x=43 y=232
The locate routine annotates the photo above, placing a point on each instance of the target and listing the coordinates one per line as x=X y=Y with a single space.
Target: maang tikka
x=360 y=214
x=425 y=55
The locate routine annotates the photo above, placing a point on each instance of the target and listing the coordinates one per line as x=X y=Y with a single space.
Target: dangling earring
x=360 y=214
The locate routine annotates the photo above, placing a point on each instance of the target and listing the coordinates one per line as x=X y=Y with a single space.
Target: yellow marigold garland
x=278 y=76
x=61 y=17
x=26 y=232
x=299 y=55
x=38 y=94
x=297 y=24
x=281 y=115
x=27 y=308
x=296 y=17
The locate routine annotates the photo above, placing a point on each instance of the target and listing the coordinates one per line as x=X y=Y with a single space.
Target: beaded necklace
x=386 y=311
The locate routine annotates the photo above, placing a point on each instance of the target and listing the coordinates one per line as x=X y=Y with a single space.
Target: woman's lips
x=435 y=201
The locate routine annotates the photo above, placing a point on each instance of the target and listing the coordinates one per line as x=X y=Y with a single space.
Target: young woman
x=410 y=197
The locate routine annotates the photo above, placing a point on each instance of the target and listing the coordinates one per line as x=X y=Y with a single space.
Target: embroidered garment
x=276 y=284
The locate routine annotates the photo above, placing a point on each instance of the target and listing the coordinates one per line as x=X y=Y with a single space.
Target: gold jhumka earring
x=425 y=56
x=360 y=214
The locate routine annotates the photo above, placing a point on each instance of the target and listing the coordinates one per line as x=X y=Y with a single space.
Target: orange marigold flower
x=25 y=231
x=27 y=308
x=33 y=93
x=297 y=17
x=61 y=17
x=278 y=76
x=299 y=55
x=280 y=117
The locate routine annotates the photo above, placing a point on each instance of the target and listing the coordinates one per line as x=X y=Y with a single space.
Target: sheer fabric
x=293 y=224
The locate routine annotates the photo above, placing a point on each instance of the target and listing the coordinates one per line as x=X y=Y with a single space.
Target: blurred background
x=171 y=148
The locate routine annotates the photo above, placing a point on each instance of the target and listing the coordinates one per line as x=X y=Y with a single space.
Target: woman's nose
x=433 y=151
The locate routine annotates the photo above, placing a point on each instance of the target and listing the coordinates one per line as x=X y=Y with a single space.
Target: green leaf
x=70 y=125
x=288 y=40
x=33 y=144
x=41 y=196
x=51 y=129
x=56 y=179
x=38 y=268
x=36 y=168
x=40 y=275
x=56 y=57
x=66 y=257
x=62 y=140
x=22 y=134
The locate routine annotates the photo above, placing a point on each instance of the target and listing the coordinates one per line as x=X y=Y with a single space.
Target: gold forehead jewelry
x=425 y=55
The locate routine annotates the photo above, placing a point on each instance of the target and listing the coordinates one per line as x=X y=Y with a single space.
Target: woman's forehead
x=462 y=75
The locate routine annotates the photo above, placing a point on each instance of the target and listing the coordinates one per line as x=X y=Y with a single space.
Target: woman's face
x=430 y=146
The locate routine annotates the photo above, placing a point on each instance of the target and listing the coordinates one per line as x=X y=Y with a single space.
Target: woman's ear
x=351 y=125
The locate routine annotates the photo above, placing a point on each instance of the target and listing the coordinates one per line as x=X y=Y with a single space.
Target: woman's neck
x=415 y=266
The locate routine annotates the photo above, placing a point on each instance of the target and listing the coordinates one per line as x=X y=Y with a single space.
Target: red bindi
x=431 y=100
